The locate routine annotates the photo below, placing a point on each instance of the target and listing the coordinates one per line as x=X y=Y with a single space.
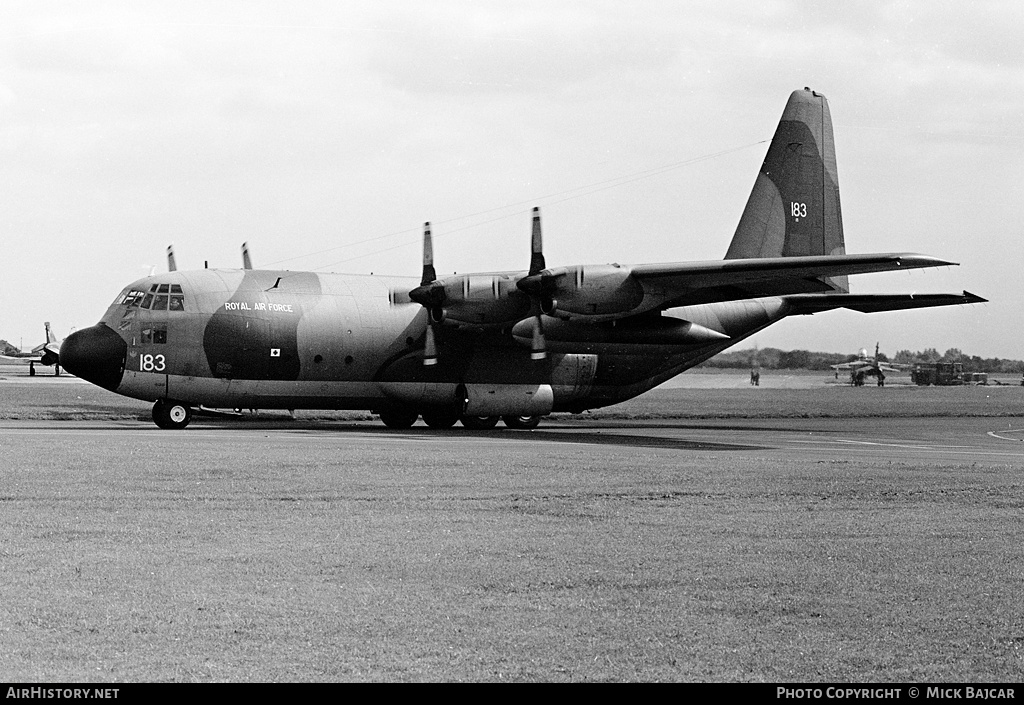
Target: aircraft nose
x=95 y=354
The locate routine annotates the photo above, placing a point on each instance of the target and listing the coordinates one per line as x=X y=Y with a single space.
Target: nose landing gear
x=171 y=415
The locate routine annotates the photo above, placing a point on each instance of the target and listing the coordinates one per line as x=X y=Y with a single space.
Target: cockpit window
x=177 y=298
x=129 y=297
x=160 y=297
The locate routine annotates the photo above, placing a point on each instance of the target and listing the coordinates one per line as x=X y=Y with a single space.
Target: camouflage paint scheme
x=279 y=339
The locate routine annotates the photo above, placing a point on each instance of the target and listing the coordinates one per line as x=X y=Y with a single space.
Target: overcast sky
x=324 y=134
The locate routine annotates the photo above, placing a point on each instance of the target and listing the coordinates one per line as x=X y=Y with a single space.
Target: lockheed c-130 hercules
x=477 y=348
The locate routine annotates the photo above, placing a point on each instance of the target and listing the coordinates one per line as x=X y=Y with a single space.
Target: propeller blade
x=538 y=347
x=246 y=259
x=430 y=347
x=536 y=245
x=430 y=295
x=429 y=274
x=171 y=264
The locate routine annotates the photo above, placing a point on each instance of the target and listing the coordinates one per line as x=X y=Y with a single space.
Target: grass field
x=251 y=553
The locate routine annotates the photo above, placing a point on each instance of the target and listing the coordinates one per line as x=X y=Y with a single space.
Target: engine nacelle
x=584 y=291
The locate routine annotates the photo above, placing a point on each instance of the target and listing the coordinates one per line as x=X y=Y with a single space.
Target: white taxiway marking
x=1009 y=430
x=904 y=444
x=928 y=448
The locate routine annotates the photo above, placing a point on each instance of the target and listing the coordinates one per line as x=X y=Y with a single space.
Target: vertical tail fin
x=50 y=338
x=794 y=208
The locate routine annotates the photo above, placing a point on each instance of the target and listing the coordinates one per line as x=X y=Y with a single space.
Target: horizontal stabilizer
x=875 y=303
x=724 y=280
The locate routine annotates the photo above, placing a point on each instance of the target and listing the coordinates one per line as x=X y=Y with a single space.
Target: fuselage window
x=155 y=334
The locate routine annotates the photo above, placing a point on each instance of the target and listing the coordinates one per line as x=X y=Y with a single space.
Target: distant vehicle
x=867 y=366
x=941 y=374
x=47 y=353
x=980 y=378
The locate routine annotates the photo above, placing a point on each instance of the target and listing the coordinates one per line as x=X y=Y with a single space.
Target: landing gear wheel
x=521 y=421
x=399 y=418
x=479 y=423
x=172 y=415
x=442 y=418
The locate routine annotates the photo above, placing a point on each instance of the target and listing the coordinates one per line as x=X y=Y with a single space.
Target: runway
x=907 y=439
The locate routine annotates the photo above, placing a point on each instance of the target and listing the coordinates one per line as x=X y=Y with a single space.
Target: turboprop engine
x=586 y=291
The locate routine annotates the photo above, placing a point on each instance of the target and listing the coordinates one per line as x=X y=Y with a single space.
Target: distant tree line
x=775 y=359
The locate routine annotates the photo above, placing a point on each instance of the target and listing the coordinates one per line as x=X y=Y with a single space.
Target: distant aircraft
x=478 y=347
x=47 y=353
x=868 y=366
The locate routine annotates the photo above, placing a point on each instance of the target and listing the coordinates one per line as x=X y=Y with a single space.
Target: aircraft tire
x=479 y=423
x=171 y=415
x=441 y=418
x=398 y=418
x=521 y=422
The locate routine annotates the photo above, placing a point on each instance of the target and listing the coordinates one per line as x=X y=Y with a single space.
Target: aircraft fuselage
x=287 y=340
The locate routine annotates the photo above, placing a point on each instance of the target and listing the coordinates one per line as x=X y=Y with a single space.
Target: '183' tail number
x=152 y=363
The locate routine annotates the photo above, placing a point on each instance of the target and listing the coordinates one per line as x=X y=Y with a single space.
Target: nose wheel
x=171 y=415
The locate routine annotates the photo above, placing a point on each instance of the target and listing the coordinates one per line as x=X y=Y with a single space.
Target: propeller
x=538 y=284
x=431 y=295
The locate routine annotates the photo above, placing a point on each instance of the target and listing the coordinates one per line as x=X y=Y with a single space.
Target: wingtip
x=924 y=260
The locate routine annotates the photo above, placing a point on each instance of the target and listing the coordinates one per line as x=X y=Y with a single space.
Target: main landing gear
x=172 y=415
x=443 y=418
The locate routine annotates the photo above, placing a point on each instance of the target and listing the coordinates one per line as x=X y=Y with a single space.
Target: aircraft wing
x=874 y=303
x=726 y=280
x=892 y=367
x=26 y=357
x=850 y=366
